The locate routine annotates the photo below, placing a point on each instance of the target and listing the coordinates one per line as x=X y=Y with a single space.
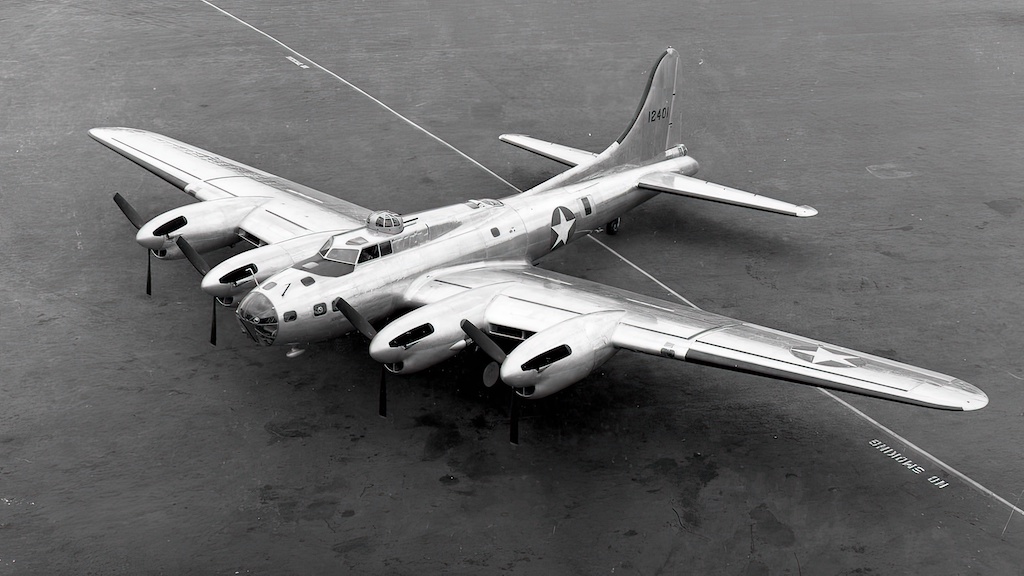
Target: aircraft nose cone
x=258 y=317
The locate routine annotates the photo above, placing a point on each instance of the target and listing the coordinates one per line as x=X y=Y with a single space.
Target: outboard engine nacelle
x=206 y=225
x=561 y=355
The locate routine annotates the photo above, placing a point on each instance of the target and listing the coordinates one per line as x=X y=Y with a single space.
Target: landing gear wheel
x=612 y=228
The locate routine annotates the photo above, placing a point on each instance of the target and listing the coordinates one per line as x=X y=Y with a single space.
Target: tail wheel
x=612 y=228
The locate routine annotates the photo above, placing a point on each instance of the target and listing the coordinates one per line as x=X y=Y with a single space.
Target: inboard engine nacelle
x=207 y=226
x=431 y=334
x=561 y=355
x=241 y=272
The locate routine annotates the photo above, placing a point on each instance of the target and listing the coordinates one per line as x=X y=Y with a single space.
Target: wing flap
x=681 y=185
x=557 y=152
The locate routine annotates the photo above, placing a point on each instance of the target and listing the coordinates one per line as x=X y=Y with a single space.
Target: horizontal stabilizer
x=557 y=152
x=680 y=185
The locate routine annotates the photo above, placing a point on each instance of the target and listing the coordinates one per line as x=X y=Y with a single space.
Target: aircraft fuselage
x=519 y=228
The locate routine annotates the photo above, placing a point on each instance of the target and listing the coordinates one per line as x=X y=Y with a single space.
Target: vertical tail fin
x=651 y=131
x=646 y=138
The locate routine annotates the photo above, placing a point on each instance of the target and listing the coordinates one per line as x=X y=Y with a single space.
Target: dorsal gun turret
x=385 y=222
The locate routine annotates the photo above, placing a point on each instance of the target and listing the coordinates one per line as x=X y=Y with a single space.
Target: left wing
x=272 y=208
x=570 y=326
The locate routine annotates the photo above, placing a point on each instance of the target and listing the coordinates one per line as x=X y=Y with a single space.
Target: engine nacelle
x=561 y=355
x=206 y=225
x=431 y=334
x=241 y=272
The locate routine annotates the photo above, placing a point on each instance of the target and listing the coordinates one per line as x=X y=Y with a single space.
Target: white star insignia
x=822 y=355
x=562 y=229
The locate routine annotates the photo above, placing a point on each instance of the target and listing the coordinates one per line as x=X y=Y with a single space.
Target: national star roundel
x=821 y=356
x=563 y=225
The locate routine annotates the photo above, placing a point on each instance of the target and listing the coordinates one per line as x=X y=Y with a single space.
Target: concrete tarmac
x=129 y=445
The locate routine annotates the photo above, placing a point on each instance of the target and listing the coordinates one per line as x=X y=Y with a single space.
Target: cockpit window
x=343 y=255
x=375 y=251
x=333 y=260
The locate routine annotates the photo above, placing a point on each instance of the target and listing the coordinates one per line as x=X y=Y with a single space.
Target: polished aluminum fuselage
x=519 y=228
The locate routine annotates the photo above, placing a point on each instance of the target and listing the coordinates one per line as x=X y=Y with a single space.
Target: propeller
x=133 y=216
x=493 y=371
x=203 y=267
x=366 y=329
x=355 y=318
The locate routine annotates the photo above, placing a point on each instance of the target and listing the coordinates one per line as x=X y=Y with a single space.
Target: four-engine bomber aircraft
x=322 y=267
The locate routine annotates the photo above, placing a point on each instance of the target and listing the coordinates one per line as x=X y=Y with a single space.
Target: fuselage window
x=495 y=232
x=587 y=208
x=308 y=281
x=289 y=316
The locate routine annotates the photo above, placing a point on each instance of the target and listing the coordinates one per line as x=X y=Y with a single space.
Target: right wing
x=570 y=326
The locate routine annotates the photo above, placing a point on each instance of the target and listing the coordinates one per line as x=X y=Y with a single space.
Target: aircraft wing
x=534 y=303
x=291 y=209
x=681 y=185
x=557 y=152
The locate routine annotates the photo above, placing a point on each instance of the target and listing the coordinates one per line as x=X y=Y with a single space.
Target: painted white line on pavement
x=964 y=477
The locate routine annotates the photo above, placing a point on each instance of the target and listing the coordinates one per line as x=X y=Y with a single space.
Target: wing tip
x=972 y=397
x=100 y=134
x=952 y=394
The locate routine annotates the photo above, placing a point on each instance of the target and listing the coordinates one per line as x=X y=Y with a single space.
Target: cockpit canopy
x=340 y=254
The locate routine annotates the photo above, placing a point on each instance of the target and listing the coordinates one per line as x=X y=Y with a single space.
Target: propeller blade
x=513 y=419
x=355 y=318
x=483 y=341
x=213 y=324
x=197 y=261
x=149 y=272
x=492 y=374
x=129 y=211
x=382 y=408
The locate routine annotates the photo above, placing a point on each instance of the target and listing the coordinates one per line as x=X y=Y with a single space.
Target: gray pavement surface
x=129 y=445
